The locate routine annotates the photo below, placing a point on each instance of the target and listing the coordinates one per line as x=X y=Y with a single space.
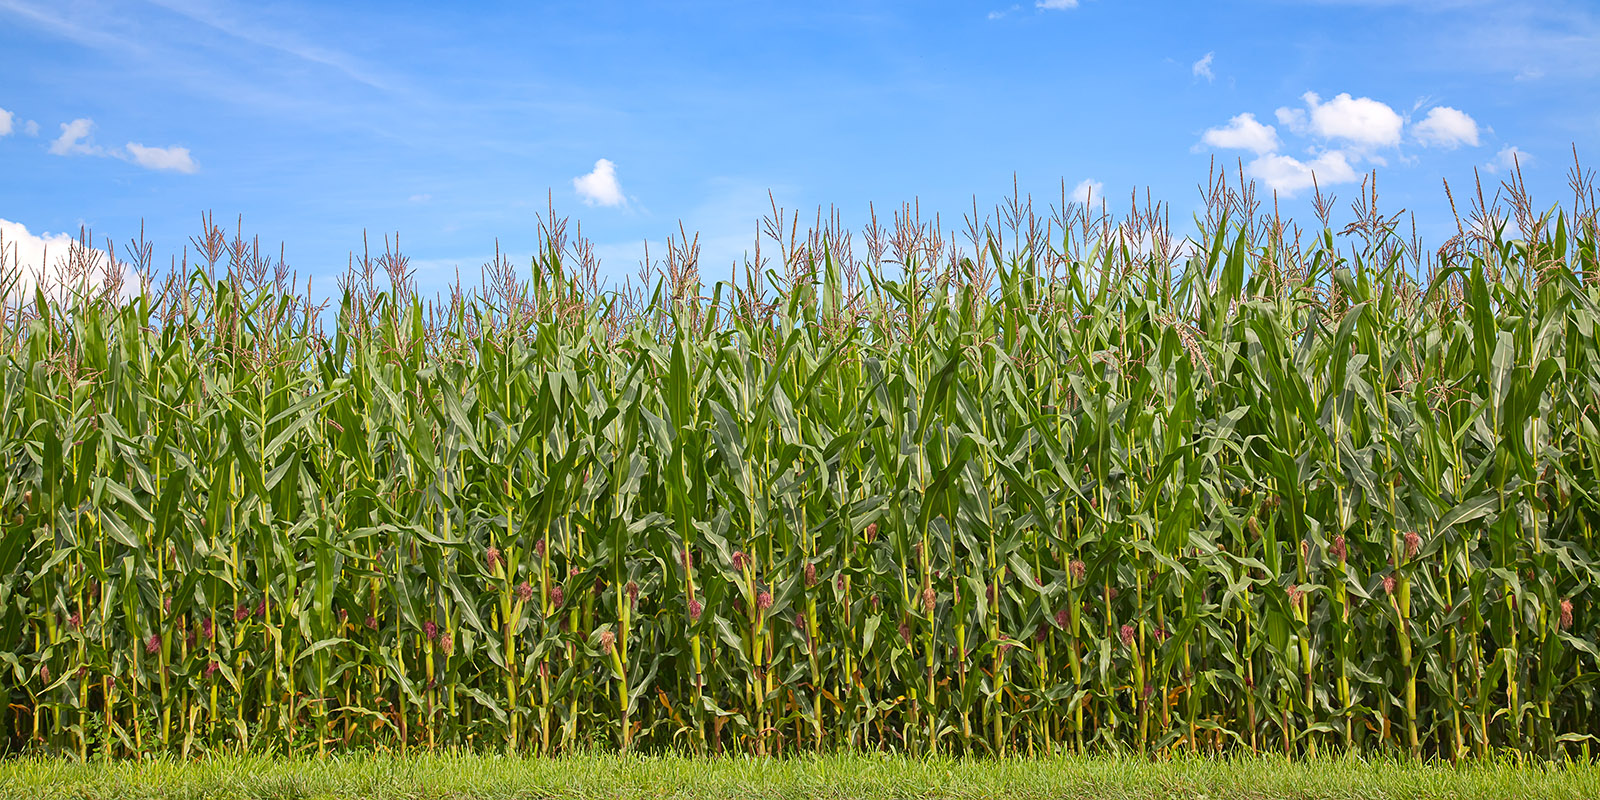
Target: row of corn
x=1063 y=492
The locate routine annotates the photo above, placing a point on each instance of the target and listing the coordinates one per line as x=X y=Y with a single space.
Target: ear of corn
x=1073 y=489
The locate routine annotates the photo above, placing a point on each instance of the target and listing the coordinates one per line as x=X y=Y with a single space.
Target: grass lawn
x=607 y=776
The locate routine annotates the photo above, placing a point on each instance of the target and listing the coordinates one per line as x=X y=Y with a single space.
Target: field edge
x=847 y=776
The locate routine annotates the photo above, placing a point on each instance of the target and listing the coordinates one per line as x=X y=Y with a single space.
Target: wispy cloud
x=69 y=29
x=6 y=118
x=218 y=66
x=1202 y=68
x=260 y=34
x=1560 y=38
x=1056 y=5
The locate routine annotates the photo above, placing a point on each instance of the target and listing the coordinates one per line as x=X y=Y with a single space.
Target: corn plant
x=1072 y=485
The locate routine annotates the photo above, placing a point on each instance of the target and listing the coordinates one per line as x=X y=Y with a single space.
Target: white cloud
x=76 y=139
x=10 y=125
x=1202 y=68
x=1003 y=12
x=173 y=158
x=1446 y=127
x=600 y=187
x=1145 y=244
x=73 y=139
x=1509 y=158
x=1288 y=175
x=54 y=262
x=1056 y=5
x=1086 y=189
x=1360 y=120
x=1243 y=132
x=1292 y=118
x=1360 y=127
x=421 y=198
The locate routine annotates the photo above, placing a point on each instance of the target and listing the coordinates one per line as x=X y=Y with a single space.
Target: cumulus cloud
x=1056 y=5
x=1288 y=175
x=1086 y=189
x=57 y=263
x=1202 y=68
x=1446 y=127
x=74 y=139
x=1243 y=132
x=176 y=159
x=1359 y=120
x=600 y=187
x=1509 y=158
x=1346 y=132
x=10 y=125
x=77 y=138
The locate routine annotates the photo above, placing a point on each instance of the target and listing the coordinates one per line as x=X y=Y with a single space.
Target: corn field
x=1064 y=484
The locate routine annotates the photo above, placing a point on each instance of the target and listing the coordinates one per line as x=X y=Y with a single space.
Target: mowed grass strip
x=856 y=776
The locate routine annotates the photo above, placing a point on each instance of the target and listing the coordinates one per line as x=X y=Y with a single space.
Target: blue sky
x=453 y=125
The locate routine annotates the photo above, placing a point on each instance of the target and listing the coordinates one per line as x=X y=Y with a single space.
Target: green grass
x=607 y=776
